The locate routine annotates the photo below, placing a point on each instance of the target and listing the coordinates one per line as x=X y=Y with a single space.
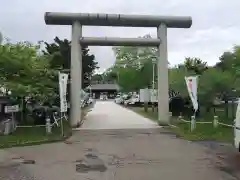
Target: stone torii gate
x=77 y=20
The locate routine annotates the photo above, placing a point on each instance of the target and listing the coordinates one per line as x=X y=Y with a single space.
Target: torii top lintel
x=98 y=19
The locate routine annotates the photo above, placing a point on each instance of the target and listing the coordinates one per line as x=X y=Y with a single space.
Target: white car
x=103 y=97
x=127 y=101
x=118 y=99
x=132 y=100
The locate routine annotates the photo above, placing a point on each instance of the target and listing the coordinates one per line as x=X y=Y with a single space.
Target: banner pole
x=192 y=84
x=63 y=78
x=62 y=130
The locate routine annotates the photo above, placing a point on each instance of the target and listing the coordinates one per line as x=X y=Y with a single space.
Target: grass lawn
x=202 y=131
x=33 y=136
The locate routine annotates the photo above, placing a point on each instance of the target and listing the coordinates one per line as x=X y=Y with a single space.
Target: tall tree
x=110 y=75
x=230 y=62
x=195 y=65
x=26 y=72
x=97 y=78
x=176 y=79
x=60 y=52
x=133 y=66
x=214 y=83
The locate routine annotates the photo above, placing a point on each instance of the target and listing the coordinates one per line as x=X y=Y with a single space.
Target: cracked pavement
x=107 y=153
x=127 y=154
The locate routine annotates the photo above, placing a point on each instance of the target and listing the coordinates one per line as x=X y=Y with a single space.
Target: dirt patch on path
x=140 y=154
x=224 y=156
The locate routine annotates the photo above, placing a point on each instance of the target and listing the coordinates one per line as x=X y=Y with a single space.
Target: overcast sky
x=216 y=24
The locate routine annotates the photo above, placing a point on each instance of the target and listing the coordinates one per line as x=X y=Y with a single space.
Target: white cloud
x=216 y=24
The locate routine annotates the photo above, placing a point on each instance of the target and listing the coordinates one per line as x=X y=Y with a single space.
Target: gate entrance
x=77 y=20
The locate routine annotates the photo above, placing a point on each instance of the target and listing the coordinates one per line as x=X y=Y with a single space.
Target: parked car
x=103 y=97
x=134 y=99
x=127 y=99
x=118 y=99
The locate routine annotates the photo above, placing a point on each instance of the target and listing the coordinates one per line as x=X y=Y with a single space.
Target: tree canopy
x=24 y=71
x=27 y=70
x=133 y=70
x=60 y=57
x=133 y=66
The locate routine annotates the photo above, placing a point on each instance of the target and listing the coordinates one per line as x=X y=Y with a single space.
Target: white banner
x=153 y=96
x=63 y=79
x=237 y=126
x=192 y=84
x=144 y=95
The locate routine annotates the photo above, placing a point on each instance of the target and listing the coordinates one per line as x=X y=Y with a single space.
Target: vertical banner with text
x=192 y=84
x=63 y=79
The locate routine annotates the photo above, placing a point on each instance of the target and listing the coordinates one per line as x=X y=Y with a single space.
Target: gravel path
x=15 y=172
x=108 y=115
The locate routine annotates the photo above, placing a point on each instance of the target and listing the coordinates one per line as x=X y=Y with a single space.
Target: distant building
x=109 y=89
